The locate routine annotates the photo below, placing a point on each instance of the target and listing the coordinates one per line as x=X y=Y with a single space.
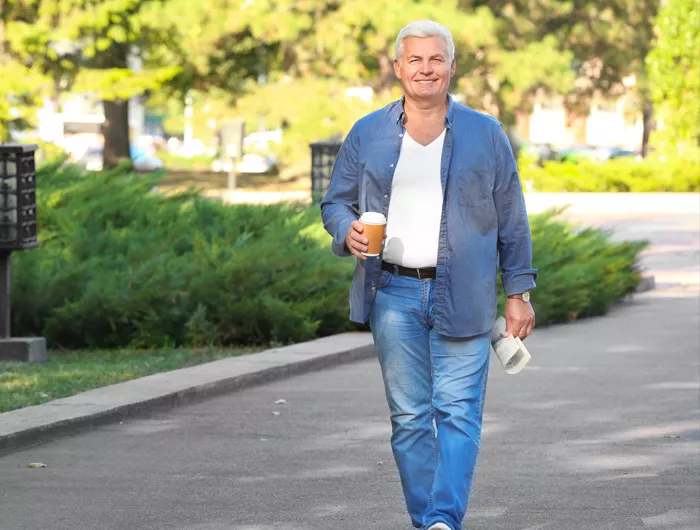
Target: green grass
x=195 y=163
x=70 y=372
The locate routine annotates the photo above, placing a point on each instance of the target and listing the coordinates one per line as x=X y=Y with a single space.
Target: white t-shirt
x=415 y=209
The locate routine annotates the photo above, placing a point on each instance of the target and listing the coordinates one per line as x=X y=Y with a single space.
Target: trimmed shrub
x=618 y=175
x=582 y=272
x=121 y=265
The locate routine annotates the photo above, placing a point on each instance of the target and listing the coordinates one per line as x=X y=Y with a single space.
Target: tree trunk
x=115 y=129
x=386 y=73
x=116 y=133
x=647 y=120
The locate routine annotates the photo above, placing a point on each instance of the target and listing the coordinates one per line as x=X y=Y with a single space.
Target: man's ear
x=453 y=67
x=397 y=69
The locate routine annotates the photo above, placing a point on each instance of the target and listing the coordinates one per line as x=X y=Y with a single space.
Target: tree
x=353 y=42
x=604 y=42
x=611 y=40
x=674 y=76
x=22 y=84
x=86 y=46
x=510 y=52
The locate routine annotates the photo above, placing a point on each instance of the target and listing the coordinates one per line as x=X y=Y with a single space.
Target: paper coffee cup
x=373 y=226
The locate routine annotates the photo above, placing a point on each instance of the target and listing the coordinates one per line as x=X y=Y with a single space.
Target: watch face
x=526 y=296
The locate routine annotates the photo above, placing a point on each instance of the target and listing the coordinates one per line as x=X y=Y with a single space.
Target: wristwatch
x=525 y=297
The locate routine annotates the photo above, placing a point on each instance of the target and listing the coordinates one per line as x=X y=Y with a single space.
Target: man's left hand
x=520 y=318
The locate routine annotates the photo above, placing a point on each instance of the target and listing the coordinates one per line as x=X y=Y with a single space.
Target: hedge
x=618 y=175
x=122 y=265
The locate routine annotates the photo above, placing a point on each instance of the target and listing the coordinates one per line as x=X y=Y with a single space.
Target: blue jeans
x=435 y=389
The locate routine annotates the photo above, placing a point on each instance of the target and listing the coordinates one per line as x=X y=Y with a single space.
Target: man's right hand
x=355 y=241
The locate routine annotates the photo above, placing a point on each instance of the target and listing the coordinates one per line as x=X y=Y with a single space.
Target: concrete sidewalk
x=616 y=204
x=673 y=259
x=599 y=432
x=20 y=428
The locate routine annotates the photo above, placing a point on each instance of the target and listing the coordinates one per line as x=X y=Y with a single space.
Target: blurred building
x=605 y=125
x=609 y=123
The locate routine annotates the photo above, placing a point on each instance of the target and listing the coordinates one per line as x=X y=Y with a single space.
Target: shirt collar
x=399 y=113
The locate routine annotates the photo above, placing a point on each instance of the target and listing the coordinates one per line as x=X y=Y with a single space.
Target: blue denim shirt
x=483 y=214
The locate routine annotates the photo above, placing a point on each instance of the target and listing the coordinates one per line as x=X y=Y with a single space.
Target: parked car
x=595 y=153
x=142 y=161
x=622 y=153
x=576 y=153
x=540 y=152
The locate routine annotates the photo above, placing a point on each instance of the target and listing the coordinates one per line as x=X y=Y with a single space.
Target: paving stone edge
x=29 y=437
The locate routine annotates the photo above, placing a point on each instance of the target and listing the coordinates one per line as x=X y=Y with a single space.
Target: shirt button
x=400 y=135
x=386 y=196
x=374 y=288
x=391 y=165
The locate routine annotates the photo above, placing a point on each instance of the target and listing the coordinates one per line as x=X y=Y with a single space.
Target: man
x=445 y=177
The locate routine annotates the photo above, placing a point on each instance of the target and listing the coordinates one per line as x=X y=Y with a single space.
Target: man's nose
x=426 y=67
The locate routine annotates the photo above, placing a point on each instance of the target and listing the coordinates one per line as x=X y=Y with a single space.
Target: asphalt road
x=601 y=431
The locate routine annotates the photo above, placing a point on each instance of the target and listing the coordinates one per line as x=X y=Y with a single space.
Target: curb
x=30 y=426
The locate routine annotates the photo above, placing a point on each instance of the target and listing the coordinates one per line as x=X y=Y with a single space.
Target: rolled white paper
x=511 y=352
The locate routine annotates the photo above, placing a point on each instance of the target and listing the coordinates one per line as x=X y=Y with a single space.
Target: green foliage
x=122 y=83
x=582 y=272
x=92 y=47
x=620 y=175
x=310 y=109
x=20 y=94
x=120 y=265
x=510 y=53
x=182 y=163
x=524 y=70
x=674 y=74
x=84 y=45
x=200 y=330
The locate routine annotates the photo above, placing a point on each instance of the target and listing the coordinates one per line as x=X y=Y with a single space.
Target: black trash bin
x=323 y=155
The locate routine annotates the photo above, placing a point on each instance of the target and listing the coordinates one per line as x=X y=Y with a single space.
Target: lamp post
x=18 y=231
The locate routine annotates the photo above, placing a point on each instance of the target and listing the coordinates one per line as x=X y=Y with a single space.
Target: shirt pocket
x=476 y=199
x=474 y=188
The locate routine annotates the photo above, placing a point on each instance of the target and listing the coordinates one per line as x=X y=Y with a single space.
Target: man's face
x=424 y=70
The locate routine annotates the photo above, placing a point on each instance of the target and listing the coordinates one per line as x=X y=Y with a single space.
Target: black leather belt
x=427 y=273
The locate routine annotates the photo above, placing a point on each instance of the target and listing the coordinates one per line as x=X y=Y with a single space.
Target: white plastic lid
x=373 y=218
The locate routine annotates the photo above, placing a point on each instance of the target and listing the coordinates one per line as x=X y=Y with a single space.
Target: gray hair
x=423 y=29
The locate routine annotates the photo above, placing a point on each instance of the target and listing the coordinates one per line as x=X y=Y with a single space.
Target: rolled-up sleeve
x=340 y=206
x=514 y=238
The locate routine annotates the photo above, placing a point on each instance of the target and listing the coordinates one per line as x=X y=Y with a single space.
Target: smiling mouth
x=426 y=81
